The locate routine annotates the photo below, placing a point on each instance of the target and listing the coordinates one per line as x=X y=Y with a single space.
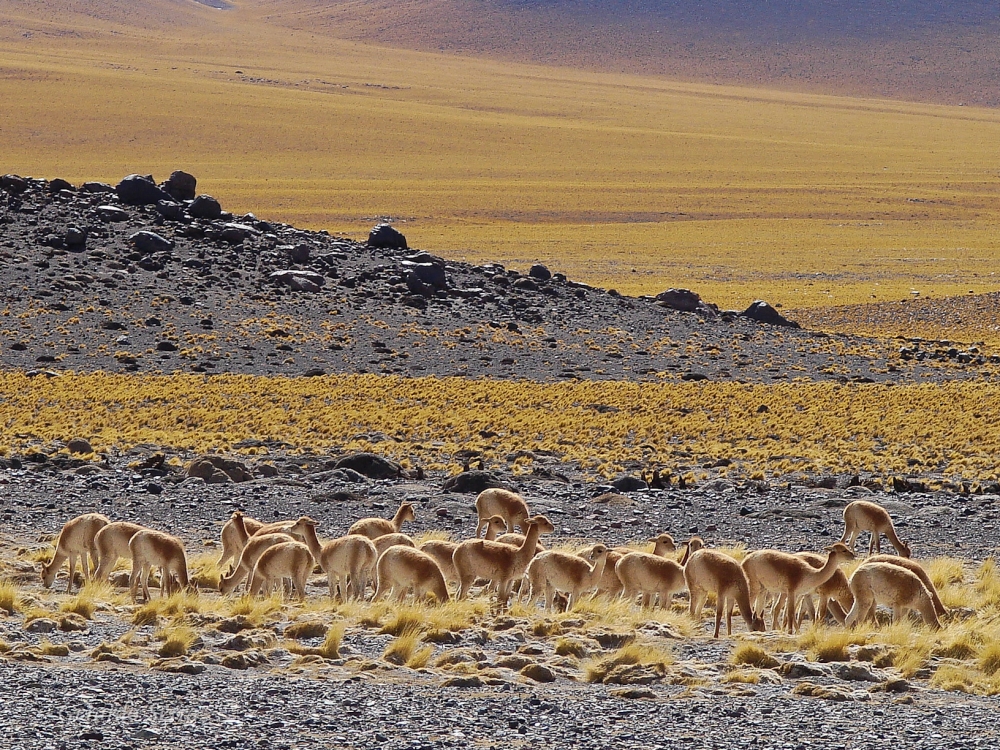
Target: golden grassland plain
x=948 y=430
x=636 y=183
x=962 y=656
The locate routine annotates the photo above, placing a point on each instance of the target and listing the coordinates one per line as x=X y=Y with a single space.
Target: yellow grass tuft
x=825 y=644
x=257 y=611
x=48 y=648
x=989 y=658
x=10 y=597
x=406 y=649
x=177 y=640
x=598 y=670
x=571 y=647
x=180 y=603
x=752 y=655
x=203 y=571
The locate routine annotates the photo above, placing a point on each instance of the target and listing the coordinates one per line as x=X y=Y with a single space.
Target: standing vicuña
x=708 y=571
x=255 y=547
x=443 y=551
x=554 y=571
x=885 y=583
x=649 y=574
x=286 y=560
x=917 y=569
x=373 y=528
x=401 y=569
x=149 y=548
x=862 y=515
x=112 y=543
x=499 y=563
x=350 y=557
x=76 y=540
x=510 y=506
x=234 y=535
x=770 y=570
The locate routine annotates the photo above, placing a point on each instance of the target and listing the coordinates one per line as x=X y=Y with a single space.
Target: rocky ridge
x=141 y=277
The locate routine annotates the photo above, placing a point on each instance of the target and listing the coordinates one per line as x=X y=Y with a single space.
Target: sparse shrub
x=48 y=648
x=989 y=658
x=405 y=649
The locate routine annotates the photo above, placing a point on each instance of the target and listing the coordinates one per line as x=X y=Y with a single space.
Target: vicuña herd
x=375 y=552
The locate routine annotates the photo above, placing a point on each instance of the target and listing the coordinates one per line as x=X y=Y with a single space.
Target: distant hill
x=906 y=49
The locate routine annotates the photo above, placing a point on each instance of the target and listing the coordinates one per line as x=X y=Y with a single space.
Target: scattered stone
x=632 y=693
x=463 y=681
x=855 y=672
x=41 y=625
x=112 y=213
x=299 y=280
x=795 y=670
x=244 y=660
x=210 y=468
x=137 y=190
x=385 y=236
x=71 y=622
x=538 y=673
x=150 y=242
x=178 y=665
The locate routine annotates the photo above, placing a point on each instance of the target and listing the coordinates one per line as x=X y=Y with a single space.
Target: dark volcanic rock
x=13 y=184
x=205 y=207
x=150 y=242
x=386 y=236
x=136 y=190
x=181 y=186
x=679 y=299
x=473 y=482
x=764 y=313
x=540 y=272
x=299 y=280
x=371 y=465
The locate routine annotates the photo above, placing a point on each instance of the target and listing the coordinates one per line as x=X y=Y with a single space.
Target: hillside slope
x=915 y=49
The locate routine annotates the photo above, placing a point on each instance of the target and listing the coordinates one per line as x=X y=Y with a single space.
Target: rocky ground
x=143 y=279
x=361 y=701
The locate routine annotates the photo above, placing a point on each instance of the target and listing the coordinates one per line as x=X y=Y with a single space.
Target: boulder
x=387 y=237
x=628 y=483
x=13 y=184
x=75 y=237
x=112 y=213
x=540 y=272
x=234 y=234
x=473 y=482
x=431 y=274
x=137 y=190
x=298 y=253
x=79 y=445
x=679 y=299
x=181 y=186
x=371 y=465
x=210 y=468
x=97 y=187
x=150 y=242
x=764 y=313
x=205 y=207
x=170 y=210
x=299 y=280
x=59 y=184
